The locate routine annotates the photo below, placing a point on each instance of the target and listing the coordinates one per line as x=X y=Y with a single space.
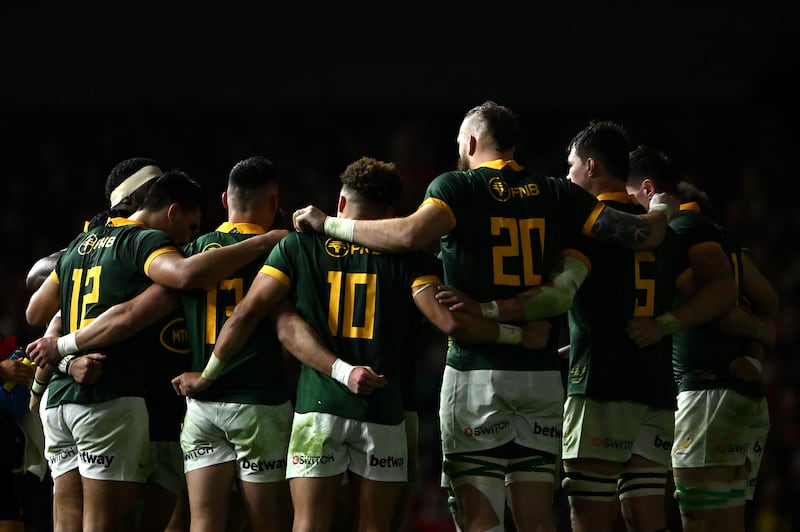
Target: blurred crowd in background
x=56 y=162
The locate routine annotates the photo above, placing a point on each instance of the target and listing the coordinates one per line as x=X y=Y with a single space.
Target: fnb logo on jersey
x=197 y=452
x=304 y=459
x=498 y=189
x=388 y=462
x=488 y=429
x=611 y=443
x=91 y=242
x=175 y=337
x=337 y=248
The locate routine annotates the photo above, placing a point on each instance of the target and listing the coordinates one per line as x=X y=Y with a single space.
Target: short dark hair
x=499 y=122
x=253 y=172
x=175 y=186
x=374 y=182
x=649 y=163
x=122 y=171
x=608 y=143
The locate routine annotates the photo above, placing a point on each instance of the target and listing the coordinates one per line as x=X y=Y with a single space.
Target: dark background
x=200 y=87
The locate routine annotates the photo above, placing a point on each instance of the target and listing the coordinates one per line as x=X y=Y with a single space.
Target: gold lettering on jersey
x=502 y=192
x=91 y=243
x=339 y=248
x=525 y=191
x=175 y=337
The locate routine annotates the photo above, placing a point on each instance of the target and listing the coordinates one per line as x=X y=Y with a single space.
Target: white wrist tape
x=663 y=207
x=213 y=368
x=341 y=370
x=65 y=363
x=756 y=363
x=67 y=344
x=490 y=310
x=509 y=334
x=341 y=228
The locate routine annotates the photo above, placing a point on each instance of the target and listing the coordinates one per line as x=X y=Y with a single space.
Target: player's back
x=702 y=354
x=103 y=267
x=622 y=284
x=359 y=302
x=510 y=226
x=255 y=375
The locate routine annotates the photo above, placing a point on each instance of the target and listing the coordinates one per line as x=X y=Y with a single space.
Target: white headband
x=129 y=185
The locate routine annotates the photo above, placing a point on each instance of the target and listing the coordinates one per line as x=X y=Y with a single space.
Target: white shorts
x=105 y=441
x=616 y=430
x=713 y=428
x=324 y=445
x=484 y=409
x=165 y=466
x=759 y=430
x=256 y=436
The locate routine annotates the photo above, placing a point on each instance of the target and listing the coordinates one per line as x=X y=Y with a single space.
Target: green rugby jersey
x=100 y=268
x=604 y=363
x=359 y=302
x=255 y=374
x=702 y=354
x=510 y=226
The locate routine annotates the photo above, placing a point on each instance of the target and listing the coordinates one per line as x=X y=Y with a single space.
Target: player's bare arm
x=173 y=270
x=304 y=344
x=415 y=231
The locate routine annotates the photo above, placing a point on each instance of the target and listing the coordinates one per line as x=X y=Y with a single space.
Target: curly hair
x=373 y=181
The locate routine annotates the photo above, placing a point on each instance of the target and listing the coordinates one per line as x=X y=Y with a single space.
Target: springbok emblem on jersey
x=336 y=248
x=498 y=189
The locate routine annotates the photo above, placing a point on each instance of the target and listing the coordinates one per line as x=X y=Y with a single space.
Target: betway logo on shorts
x=63 y=455
x=304 y=459
x=262 y=465
x=489 y=429
x=611 y=443
x=197 y=452
x=388 y=462
x=98 y=459
x=551 y=432
x=662 y=444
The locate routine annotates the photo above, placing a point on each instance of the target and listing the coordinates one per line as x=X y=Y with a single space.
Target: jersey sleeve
x=444 y=192
x=148 y=244
x=277 y=264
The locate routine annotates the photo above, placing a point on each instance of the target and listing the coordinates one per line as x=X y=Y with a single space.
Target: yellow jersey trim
x=276 y=274
x=572 y=252
x=242 y=227
x=691 y=206
x=502 y=163
x=157 y=253
x=619 y=197
x=442 y=205
x=425 y=280
x=587 y=225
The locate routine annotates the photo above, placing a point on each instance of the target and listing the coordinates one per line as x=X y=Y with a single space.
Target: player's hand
x=86 y=369
x=190 y=383
x=662 y=197
x=535 y=334
x=44 y=350
x=364 y=381
x=743 y=369
x=456 y=300
x=13 y=370
x=309 y=219
x=644 y=332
